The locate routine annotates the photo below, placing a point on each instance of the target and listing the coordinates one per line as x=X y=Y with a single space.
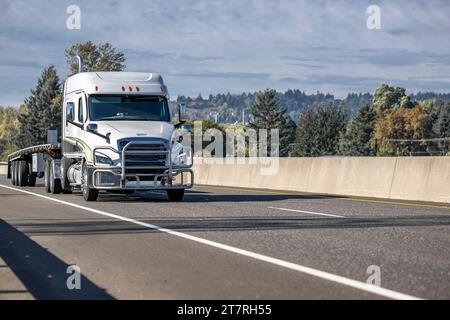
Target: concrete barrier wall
x=407 y=178
x=3 y=168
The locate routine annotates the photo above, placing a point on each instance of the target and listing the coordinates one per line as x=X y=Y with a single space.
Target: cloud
x=306 y=65
x=330 y=79
x=200 y=58
x=291 y=80
x=148 y=54
x=398 y=32
x=235 y=45
x=20 y=64
x=396 y=57
x=224 y=75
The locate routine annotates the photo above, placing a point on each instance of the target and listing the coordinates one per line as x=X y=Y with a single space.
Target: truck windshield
x=120 y=108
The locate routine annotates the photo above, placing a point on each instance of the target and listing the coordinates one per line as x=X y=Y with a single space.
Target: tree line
x=392 y=124
x=385 y=123
x=229 y=108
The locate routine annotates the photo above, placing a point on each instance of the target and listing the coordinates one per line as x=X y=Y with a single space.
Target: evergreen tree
x=42 y=110
x=267 y=114
x=288 y=138
x=306 y=138
x=439 y=123
x=356 y=140
x=439 y=118
x=319 y=130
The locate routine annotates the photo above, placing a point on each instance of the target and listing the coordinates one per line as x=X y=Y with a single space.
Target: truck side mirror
x=181 y=110
x=92 y=127
x=186 y=127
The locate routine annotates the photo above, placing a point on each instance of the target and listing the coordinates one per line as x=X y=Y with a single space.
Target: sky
x=236 y=46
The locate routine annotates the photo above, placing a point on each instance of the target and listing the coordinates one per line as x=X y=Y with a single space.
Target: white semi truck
x=117 y=135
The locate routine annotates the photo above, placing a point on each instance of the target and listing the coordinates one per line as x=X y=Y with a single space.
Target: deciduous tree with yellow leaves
x=395 y=126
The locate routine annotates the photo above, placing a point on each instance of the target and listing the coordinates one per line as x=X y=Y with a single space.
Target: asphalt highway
x=221 y=243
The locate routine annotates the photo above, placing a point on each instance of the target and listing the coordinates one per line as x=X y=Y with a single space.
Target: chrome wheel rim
x=46 y=178
x=84 y=181
x=51 y=181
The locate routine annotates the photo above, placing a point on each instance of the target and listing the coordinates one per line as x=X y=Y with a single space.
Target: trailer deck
x=53 y=150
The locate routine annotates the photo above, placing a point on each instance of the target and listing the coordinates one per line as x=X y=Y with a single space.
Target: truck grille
x=147 y=158
x=136 y=160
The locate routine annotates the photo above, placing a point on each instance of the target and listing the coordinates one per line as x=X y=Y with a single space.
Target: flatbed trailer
x=25 y=165
x=53 y=150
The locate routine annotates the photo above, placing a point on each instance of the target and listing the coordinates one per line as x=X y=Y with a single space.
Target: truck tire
x=89 y=194
x=32 y=176
x=13 y=173
x=47 y=176
x=22 y=176
x=65 y=184
x=54 y=183
x=67 y=191
x=175 y=194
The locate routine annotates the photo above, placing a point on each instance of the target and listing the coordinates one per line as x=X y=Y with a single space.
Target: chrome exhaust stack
x=80 y=63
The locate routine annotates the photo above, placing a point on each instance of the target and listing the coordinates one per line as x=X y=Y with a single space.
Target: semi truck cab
x=117 y=135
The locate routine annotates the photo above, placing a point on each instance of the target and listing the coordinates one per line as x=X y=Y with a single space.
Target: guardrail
x=407 y=178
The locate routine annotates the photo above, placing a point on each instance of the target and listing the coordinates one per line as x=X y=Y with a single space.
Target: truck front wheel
x=175 y=194
x=47 y=176
x=89 y=194
x=54 y=183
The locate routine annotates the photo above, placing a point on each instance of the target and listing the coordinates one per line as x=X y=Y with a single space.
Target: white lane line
x=289 y=265
x=309 y=212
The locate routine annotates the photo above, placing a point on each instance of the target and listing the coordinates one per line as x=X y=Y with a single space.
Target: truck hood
x=130 y=129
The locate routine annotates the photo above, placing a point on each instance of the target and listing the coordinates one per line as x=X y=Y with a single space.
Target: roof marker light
x=96 y=88
x=123 y=88
x=130 y=88
x=162 y=88
x=137 y=89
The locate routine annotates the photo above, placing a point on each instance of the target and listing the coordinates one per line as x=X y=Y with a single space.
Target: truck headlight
x=103 y=159
x=180 y=155
x=107 y=157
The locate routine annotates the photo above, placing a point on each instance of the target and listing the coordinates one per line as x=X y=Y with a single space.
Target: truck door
x=81 y=116
x=74 y=123
x=69 y=118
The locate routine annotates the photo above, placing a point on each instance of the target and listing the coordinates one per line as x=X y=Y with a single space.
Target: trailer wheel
x=32 y=176
x=47 y=176
x=54 y=183
x=175 y=194
x=22 y=177
x=89 y=194
x=13 y=173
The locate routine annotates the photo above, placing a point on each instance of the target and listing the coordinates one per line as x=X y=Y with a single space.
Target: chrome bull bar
x=141 y=185
x=167 y=176
x=167 y=152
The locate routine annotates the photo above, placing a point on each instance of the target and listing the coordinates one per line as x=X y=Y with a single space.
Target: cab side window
x=80 y=110
x=70 y=111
